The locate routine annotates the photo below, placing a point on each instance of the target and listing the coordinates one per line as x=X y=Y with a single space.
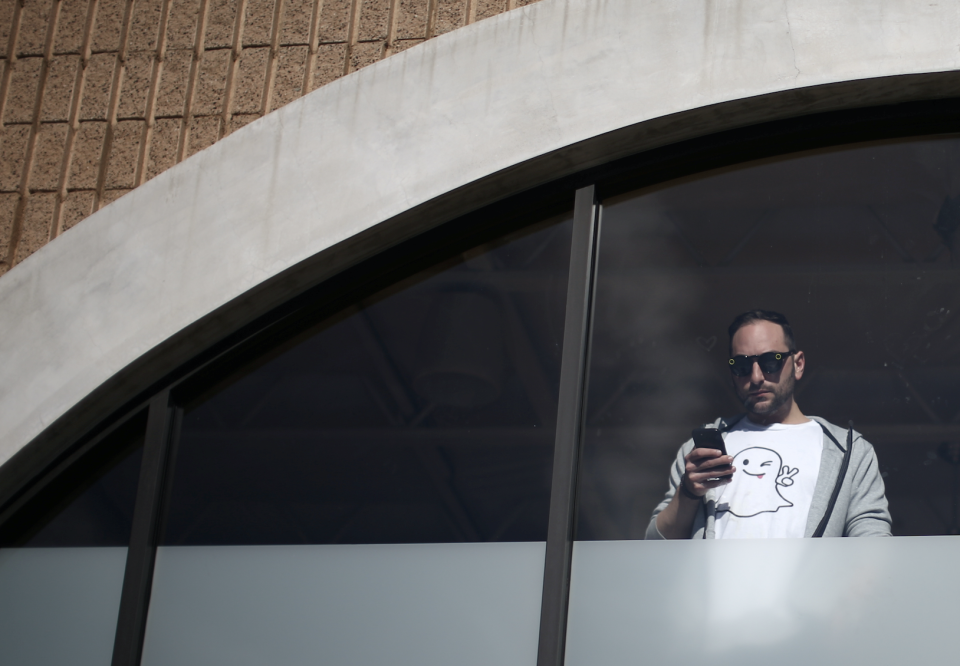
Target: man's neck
x=789 y=414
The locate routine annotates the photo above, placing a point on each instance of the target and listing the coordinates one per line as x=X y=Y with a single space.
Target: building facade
x=98 y=97
x=397 y=371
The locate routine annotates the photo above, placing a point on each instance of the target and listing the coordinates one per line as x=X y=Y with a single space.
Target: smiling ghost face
x=758 y=462
x=753 y=489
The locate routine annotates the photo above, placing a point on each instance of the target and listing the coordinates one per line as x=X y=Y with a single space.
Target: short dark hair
x=751 y=316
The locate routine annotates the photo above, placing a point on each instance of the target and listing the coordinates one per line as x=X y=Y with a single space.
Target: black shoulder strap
x=821 y=528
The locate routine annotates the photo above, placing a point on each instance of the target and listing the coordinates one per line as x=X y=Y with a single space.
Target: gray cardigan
x=861 y=507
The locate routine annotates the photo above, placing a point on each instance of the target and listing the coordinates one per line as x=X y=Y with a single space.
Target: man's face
x=765 y=395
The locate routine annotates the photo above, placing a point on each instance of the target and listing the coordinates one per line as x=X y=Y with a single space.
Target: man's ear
x=799 y=362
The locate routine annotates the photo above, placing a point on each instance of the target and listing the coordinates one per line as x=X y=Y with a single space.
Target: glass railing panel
x=790 y=601
x=346 y=605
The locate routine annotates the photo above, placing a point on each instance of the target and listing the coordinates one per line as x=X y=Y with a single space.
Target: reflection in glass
x=328 y=498
x=424 y=413
x=855 y=245
x=62 y=558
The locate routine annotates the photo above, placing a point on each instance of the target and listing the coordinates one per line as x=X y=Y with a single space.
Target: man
x=785 y=474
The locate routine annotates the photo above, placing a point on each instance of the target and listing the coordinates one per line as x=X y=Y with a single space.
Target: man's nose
x=756 y=375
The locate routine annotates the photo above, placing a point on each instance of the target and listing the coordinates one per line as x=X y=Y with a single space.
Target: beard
x=780 y=394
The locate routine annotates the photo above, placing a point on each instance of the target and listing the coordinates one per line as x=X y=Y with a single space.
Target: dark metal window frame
x=570 y=417
x=22 y=508
x=164 y=400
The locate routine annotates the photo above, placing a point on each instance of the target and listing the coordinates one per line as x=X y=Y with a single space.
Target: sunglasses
x=771 y=362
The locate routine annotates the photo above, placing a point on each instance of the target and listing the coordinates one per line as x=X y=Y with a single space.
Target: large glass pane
x=376 y=487
x=63 y=556
x=856 y=246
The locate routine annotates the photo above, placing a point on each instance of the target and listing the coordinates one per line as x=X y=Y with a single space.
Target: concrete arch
x=411 y=142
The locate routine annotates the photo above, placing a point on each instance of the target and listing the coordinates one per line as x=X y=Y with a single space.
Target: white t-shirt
x=777 y=470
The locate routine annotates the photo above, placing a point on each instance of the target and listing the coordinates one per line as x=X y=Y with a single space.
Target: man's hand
x=705 y=469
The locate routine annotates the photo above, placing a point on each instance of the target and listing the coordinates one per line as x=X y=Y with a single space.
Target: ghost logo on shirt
x=755 y=487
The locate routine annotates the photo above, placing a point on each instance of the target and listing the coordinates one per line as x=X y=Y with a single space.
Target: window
x=384 y=471
x=856 y=245
x=378 y=474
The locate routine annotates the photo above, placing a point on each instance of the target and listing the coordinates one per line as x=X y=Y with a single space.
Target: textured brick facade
x=99 y=96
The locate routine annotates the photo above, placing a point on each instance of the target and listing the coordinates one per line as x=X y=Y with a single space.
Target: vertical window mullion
x=570 y=414
x=162 y=424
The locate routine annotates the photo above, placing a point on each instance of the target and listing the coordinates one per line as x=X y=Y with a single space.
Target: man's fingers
x=716 y=462
x=709 y=464
x=704 y=453
x=717 y=482
x=703 y=476
x=707 y=468
x=699 y=483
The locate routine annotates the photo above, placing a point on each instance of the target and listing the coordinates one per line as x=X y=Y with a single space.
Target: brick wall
x=99 y=96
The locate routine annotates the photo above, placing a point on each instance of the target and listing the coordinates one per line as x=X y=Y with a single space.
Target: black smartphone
x=709 y=438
